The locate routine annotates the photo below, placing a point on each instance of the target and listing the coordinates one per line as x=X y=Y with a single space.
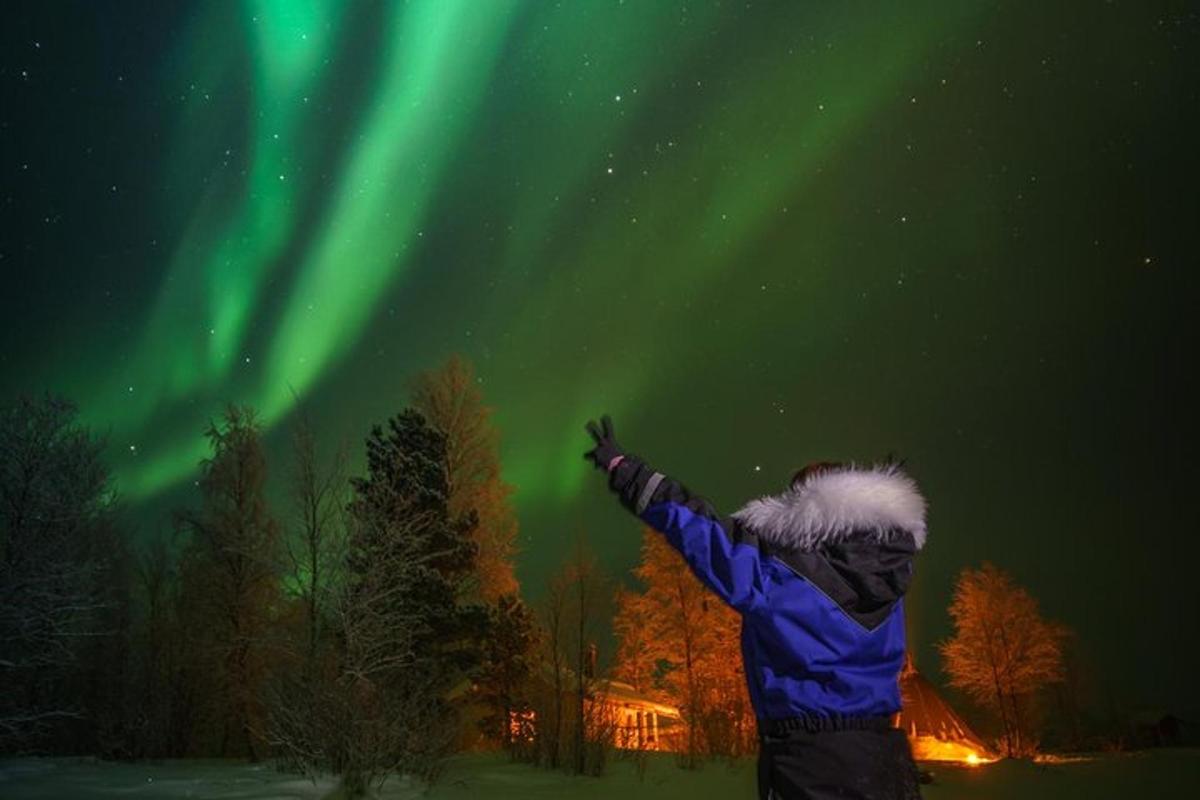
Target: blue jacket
x=818 y=574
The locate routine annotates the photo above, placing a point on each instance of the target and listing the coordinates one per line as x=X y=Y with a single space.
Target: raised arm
x=718 y=549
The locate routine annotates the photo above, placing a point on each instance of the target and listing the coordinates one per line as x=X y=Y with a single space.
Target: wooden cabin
x=615 y=709
x=638 y=722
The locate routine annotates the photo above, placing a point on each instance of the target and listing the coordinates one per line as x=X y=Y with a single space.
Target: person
x=818 y=574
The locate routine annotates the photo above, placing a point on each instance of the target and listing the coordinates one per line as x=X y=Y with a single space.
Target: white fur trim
x=839 y=504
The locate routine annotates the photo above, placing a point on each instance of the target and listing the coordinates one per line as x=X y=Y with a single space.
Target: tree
x=675 y=638
x=552 y=637
x=315 y=547
x=160 y=699
x=450 y=399
x=407 y=642
x=229 y=578
x=636 y=663
x=585 y=594
x=507 y=668
x=577 y=603
x=1002 y=652
x=57 y=544
x=301 y=685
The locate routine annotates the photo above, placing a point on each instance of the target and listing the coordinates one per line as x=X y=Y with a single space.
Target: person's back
x=818 y=573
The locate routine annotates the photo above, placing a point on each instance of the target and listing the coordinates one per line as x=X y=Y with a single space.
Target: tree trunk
x=1004 y=722
x=558 y=701
x=1015 y=748
x=506 y=733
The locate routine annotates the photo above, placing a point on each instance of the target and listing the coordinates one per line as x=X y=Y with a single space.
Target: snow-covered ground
x=1162 y=773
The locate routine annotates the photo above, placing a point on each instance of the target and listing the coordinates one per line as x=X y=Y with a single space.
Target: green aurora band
x=317 y=255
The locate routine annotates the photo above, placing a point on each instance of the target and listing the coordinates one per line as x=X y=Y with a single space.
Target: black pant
x=845 y=764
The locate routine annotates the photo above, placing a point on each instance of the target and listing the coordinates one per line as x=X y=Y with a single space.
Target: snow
x=27 y=779
x=1161 y=773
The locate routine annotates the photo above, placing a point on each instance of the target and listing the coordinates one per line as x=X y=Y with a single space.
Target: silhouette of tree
x=230 y=580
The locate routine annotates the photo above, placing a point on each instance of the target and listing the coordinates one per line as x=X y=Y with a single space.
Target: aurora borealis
x=756 y=234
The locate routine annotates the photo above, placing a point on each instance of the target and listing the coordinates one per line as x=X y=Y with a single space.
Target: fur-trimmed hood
x=838 y=505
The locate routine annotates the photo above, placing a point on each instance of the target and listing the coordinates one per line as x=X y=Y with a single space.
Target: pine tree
x=408 y=640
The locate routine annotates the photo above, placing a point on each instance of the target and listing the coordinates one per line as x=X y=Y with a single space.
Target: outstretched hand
x=606 y=448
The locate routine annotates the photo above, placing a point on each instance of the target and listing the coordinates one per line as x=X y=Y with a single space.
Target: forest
x=374 y=624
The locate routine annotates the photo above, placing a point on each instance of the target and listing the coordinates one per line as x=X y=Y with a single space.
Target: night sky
x=756 y=234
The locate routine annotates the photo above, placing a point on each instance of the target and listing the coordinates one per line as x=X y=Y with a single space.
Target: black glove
x=606 y=448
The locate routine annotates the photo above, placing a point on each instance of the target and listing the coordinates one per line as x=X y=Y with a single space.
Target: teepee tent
x=934 y=730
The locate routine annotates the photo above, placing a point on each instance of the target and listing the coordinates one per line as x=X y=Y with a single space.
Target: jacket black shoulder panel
x=865 y=578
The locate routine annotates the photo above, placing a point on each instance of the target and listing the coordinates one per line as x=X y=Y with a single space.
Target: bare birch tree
x=550 y=710
x=316 y=546
x=300 y=686
x=579 y=602
x=230 y=577
x=403 y=640
x=55 y=519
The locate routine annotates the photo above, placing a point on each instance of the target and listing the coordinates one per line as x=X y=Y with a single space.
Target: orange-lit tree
x=1002 y=652
x=677 y=639
x=450 y=398
x=636 y=663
